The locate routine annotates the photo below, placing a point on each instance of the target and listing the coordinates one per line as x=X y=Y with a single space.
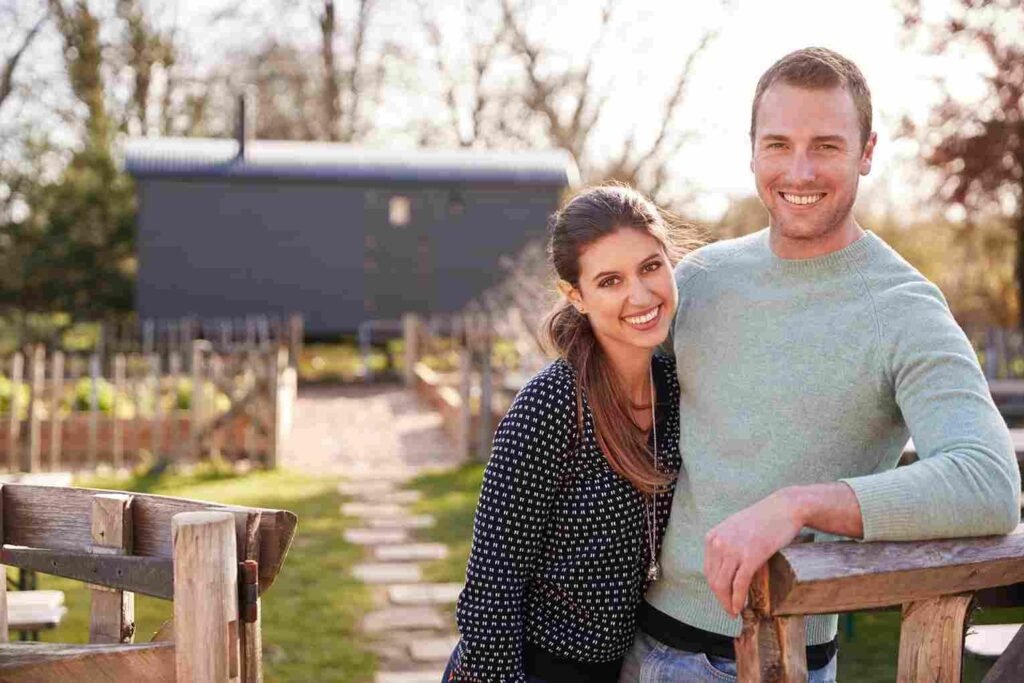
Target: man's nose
x=802 y=168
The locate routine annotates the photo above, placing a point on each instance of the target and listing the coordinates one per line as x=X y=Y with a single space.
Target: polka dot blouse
x=560 y=545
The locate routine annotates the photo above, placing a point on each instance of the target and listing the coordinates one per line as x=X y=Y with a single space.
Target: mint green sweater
x=808 y=371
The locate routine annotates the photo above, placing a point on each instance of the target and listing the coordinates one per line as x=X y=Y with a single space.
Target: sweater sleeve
x=530 y=448
x=966 y=482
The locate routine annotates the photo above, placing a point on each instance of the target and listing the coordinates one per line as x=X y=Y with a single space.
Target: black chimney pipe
x=245 y=121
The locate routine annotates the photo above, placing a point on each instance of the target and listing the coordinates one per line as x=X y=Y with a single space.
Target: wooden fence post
x=14 y=426
x=465 y=443
x=198 y=398
x=486 y=431
x=205 y=597
x=56 y=416
x=118 y=431
x=112 y=615
x=411 y=327
x=3 y=574
x=295 y=335
x=38 y=372
x=157 y=425
x=769 y=649
x=94 y=409
x=932 y=639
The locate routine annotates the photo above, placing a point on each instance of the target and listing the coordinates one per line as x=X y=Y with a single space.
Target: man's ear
x=868 y=154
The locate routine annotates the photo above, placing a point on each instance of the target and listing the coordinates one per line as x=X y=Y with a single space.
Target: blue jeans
x=651 y=661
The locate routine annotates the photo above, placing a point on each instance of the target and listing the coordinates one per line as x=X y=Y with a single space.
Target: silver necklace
x=651 y=516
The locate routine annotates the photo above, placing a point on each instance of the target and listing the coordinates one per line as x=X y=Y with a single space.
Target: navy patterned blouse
x=560 y=544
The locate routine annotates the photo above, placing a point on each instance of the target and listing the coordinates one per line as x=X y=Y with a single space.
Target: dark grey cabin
x=340 y=234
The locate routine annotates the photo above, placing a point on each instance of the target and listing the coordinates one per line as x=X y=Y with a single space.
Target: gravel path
x=366 y=431
x=378 y=437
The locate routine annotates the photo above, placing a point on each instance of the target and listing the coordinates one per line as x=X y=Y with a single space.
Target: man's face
x=807 y=160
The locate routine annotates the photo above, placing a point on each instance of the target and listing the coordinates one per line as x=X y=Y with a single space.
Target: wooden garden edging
x=934 y=581
x=214 y=561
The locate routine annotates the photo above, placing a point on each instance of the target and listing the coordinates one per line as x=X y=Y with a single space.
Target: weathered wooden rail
x=935 y=582
x=213 y=561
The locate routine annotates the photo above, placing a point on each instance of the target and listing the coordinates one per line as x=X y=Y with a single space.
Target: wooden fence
x=167 y=336
x=77 y=411
x=1000 y=352
x=934 y=583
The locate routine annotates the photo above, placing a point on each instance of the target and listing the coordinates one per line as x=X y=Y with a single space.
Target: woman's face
x=627 y=290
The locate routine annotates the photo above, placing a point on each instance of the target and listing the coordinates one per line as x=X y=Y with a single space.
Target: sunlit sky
x=647 y=48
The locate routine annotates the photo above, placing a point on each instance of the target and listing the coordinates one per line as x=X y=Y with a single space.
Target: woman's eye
x=652 y=266
x=608 y=282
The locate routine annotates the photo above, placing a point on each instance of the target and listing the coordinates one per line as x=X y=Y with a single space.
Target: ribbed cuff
x=887 y=511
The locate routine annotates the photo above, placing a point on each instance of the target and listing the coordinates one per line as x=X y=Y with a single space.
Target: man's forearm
x=832 y=508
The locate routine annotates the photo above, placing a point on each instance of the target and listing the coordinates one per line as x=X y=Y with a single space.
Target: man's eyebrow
x=829 y=138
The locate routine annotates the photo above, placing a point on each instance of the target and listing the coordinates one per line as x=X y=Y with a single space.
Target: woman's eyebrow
x=606 y=273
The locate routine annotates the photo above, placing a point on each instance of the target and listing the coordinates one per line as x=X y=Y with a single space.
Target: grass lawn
x=867 y=655
x=309 y=615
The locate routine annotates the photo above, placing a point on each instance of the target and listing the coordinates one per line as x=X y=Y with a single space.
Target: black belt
x=675 y=633
x=549 y=667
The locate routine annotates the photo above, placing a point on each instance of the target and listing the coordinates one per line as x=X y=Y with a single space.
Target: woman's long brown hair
x=587 y=217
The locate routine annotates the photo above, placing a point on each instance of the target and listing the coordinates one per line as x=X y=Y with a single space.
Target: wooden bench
x=214 y=561
x=935 y=582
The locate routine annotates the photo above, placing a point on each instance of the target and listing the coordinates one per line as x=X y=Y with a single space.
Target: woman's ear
x=571 y=294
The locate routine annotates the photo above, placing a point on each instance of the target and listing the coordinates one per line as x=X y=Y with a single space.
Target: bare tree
x=9 y=65
x=977 y=148
x=342 y=89
x=550 y=101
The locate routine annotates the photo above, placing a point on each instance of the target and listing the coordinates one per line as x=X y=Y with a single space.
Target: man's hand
x=736 y=548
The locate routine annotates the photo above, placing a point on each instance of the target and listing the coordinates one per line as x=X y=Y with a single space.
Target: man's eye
x=774 y=145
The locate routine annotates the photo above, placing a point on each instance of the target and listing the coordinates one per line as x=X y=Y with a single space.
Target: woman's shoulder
x=555 y=384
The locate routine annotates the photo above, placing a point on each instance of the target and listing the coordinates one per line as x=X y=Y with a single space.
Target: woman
x=578 y=488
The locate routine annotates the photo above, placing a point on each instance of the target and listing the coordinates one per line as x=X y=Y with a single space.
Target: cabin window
x=399 y=210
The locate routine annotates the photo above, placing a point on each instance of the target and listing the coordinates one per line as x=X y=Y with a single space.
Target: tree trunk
x=1019 y=268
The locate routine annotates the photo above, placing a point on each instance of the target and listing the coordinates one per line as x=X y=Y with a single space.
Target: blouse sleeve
x=520 y=482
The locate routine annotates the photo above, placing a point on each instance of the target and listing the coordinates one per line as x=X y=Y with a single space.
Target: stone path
x=378 y=438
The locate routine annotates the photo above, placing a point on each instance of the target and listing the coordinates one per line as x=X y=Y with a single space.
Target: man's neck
x=836 y=240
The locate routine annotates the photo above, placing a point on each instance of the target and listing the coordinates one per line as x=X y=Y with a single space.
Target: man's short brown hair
x=817 y=68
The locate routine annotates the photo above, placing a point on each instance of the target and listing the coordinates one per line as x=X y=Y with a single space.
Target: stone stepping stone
x=393 y=474
x=365 y=488
x=432 y=649
x=401 y=497
x=373 y=510
x=375 y=536
x=990 y=641
x=428 y=676
x=392 y=619
x=403 y=522
x=406 y=552
x=387 y=572
x=425 y=594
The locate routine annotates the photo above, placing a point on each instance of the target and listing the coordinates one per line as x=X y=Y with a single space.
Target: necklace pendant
x=654 y=571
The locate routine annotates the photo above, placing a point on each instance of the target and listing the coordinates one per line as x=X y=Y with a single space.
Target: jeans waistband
x=682 y=636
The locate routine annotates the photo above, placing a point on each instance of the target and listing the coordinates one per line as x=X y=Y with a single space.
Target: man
x=807 y=353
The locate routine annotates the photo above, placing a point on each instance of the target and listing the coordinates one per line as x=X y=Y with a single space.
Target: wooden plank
x=112 y=615
x=1010 y=664
x=932 y=639
x=32 y=462
x=3 y=578
x=49 y=662
x=119 y=387
x=824 y=578
x=251 y=633
x=205 y=597
x=157 y=425
x=56 y=411
x=94 y=410
x=14 y=422
x=769 y=649
x=58 y=518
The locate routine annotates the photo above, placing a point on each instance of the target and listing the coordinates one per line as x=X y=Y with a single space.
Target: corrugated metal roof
x=198 y=157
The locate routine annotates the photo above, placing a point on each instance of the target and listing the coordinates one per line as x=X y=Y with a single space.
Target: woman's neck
x=633 y=368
